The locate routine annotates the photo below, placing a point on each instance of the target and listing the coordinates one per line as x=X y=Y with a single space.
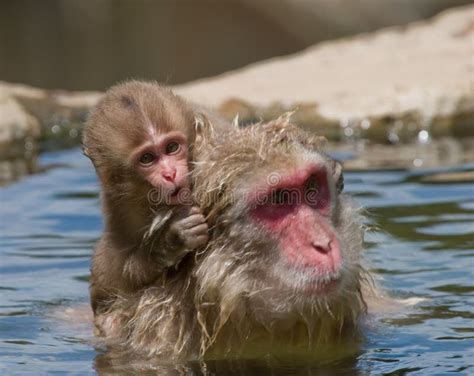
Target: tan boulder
x=18 y=129
x=389 y=85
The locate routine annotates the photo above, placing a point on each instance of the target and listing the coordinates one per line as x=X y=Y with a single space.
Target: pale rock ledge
x=388 y=85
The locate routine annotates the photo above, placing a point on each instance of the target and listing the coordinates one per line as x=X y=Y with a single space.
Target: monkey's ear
x=337 y=175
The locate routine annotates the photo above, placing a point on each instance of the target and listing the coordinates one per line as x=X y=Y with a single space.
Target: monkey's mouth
x=307 y=282
x=175 y=192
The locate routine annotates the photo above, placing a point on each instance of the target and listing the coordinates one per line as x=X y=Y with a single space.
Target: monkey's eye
x=312 y=184
x=146 y=159
x=172 y=147
x=280 y=197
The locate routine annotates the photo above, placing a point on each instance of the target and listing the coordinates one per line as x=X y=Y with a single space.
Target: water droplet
x=365 y=124
x=73 y=133
x=348 y=132
x=29 y=145
x=393 y=137
x=55 y=128
x=417 y=162
x=423 y=136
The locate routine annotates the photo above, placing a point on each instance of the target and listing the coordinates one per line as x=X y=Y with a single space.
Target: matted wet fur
x=236 y=297
x=133 y=119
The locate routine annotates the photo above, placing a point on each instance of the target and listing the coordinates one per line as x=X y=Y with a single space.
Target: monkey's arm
x=171 y=235
x=119 y=268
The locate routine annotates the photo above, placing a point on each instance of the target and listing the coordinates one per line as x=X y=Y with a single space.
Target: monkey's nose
x=321 y=247
x=169 y=175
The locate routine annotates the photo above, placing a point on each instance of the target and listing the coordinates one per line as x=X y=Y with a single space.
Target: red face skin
x=164 y=164
x=298 y=210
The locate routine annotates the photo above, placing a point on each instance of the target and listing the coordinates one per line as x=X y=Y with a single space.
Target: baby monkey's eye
x=172 y=147
x=146 y=159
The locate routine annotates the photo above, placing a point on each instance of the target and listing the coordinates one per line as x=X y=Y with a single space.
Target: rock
x=60 y=114
x=176 y=41
x=392 y=85
x=52 y=107
x=18 y=129
x=397 y=85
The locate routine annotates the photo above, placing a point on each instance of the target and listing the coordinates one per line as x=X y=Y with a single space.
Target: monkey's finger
x=192 y=221
x=197 y=241
x=198 y=230
x=186 y=211
x=195 y=210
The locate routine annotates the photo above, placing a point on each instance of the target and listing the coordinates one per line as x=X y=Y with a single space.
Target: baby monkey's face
x=163 y=161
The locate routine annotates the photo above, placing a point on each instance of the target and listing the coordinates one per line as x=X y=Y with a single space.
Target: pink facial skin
x=297 y=211
x=163 y=163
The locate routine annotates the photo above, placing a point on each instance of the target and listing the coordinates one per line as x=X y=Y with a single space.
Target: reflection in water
x=13 y=169
x=269 y=366
x=421 y=242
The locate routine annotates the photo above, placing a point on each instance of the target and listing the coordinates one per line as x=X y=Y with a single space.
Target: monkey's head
x=137 y=138
x=285 y=243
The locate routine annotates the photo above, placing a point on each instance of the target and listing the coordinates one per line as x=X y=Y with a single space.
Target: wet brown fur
x=124 y=261
x=229 y=300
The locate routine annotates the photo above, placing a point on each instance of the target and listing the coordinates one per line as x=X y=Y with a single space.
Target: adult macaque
x=282 y=266
x=138 y=138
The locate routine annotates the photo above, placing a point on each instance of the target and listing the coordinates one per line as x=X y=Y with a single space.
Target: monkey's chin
x=308 y=281
x=322 y=288
x=290 y=296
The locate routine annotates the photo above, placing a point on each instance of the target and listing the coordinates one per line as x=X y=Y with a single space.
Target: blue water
x=420 y=242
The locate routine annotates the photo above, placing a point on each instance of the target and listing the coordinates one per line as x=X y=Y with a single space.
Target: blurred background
x=91 y=44
x=390 y=83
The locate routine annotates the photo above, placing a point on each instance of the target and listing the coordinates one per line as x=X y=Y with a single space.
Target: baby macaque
x=283 y=265
x=138 y=138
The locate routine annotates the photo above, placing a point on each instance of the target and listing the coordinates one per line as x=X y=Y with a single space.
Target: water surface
x=421 y=244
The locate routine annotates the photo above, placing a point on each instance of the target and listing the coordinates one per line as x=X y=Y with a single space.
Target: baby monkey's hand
x=190 y=229
x=187 y=231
